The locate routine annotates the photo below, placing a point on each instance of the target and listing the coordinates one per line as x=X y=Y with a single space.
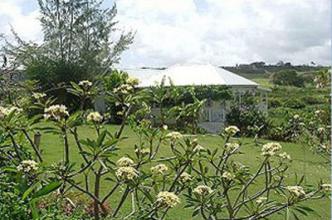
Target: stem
x=123 y=198
x=66 y=146
x=33 y=145
x=16 y=148
x=96 y=193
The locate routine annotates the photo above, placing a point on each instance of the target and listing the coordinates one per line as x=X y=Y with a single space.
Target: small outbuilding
x=213 y=115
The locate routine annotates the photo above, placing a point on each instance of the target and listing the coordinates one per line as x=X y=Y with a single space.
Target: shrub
x=248 y=119
x=294 y=104
x=274 y=102
x=287 y=78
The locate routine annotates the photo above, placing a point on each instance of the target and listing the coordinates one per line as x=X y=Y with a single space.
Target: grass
x=304 y=162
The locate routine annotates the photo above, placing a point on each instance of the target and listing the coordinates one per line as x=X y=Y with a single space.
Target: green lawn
x=304 y=162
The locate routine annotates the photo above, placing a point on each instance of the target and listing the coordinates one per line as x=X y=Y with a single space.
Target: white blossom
x=261 y=199
x=56 y=112
x=159 y=169
x=232 y=130
x=125 y=162
x=174 y=135
x=38 y=95
x=271 y=149
x=296 y=191
x=94 y=117
x=126 y=173
x=228 y=176
x=326 y=187
x=167 y=199
x=203 y=190
x=123 y=89
x=85 y=83
x=185 y=177
x=27 y=166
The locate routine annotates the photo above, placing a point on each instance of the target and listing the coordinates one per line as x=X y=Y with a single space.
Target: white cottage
x=213 y=115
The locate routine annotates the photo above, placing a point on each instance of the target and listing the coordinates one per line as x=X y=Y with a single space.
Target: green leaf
x=47 y=189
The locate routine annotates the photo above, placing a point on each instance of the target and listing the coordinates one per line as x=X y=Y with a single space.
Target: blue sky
x=220 y=32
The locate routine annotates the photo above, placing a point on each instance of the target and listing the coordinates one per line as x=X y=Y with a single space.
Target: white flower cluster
x=318 y=113
x=143 y=151
x=321 y=130
x=261 y=199
x=85 y=83
x=271 y=149
x=126 y=173
x=27 y=166
x=185 y=177
x=203 y=190
x=296 y=191
x=199 y=148
x=123 y=89
x=167 y=199
x=174 y=135
x=94 y=117
x=231 y=146
x=228 y=176
x=125 y=162
x=38 y=95
x=132 y=81
x=56 y=112
x=326 y=187
x=6 y=111
x=296 y=117
x=159 y=169
x=285 y=156
x=231 y=130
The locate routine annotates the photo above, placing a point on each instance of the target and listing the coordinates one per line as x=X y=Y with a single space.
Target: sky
x=219 y=32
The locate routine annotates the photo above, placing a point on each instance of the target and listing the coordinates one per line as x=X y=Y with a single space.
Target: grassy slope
x=304 y=163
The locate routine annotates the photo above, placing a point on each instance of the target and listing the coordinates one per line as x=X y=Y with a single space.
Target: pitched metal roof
x=190 y=74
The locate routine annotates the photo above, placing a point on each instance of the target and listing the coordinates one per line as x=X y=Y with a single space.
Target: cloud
x=24 y=22
x=226 y=32
x=220 y=32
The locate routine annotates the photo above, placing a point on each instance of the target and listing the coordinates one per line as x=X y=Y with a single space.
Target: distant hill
x=262 y=67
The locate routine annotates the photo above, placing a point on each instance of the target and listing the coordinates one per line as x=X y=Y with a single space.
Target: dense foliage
x=287 y=78
x=210 y=183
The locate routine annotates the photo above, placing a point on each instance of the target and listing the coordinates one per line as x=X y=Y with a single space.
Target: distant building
x=214 y=113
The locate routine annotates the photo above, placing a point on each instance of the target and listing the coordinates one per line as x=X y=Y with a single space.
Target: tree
x=79 y=43
x=288 y=78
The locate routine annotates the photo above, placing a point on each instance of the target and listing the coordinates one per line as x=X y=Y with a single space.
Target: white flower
x=270 y=149
x=203 y=190
x=6 y=111
x=123 y=89
x=296 y=116
x=199 y=148
x=285 y=156
x=318 y=113
x=94 y=117
x=56 y=112
x=132 y=81
x=143 y=151
x=231 y=146
x=296 y=191
x=85 y=83
x=185 y=177
x=320 y=130
x=228 y=176
x=326 y=187
x=27 y=166
x=159 y=169
x=174 y=135
x=167 y=199
x=38 y=95
x=125 y=162
x=232 y=130
x=261 y=199
x=126 y=173
x=165 y=127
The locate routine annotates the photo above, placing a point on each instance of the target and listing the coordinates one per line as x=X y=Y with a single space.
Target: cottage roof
x=190 y=74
